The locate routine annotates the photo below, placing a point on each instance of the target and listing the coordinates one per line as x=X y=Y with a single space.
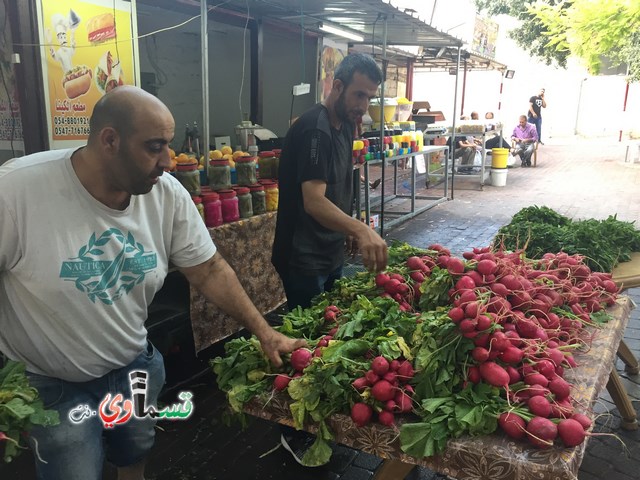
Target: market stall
x=246 y=245
x=495 y=456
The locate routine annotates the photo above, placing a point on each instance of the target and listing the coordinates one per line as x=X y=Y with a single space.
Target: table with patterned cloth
x=491 y=457
x=246 y=245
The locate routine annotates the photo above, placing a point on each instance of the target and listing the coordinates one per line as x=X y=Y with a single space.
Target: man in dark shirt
x=315 y=181
x=534 y=115
x=314 y=221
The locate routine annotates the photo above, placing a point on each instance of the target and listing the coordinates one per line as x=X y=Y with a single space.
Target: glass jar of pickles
x=212 y=209
x=258 y=199
x=198 y=203
x=189 y=176
x=266 y=161
x=246 y=170
x=271 y=196
x=219 y=174
x=229 y=204
x=276 y=161
x=245 y=203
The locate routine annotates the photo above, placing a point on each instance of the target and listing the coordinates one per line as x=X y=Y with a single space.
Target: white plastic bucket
x=499 y=177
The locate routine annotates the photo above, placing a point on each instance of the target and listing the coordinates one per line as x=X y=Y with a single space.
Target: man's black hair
x=357 y=62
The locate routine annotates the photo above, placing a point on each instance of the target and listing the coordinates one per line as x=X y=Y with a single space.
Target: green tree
x=533 y=34
x=589 y=29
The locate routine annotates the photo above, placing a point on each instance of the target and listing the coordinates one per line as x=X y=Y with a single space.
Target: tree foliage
x=592 y=30
x=532 y=34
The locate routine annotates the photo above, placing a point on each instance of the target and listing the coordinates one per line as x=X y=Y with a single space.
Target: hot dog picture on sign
x=76 y=79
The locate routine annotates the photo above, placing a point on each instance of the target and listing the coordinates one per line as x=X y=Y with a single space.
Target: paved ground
x=579 y=179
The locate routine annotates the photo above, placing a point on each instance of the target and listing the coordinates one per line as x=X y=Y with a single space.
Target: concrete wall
x=174 y=58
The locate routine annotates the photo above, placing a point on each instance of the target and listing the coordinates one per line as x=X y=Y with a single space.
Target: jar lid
x=245 y=159
x=226 y=193
x=277 y=151
x=242 y=190
x=196 y=199
x=267 y=153
x=271 y=185
x=210 y=196
x=265 y=181
x=186 y=167
x=220 y=162
x=256 y=188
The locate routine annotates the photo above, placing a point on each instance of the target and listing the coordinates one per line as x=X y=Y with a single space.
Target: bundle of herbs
x=539 y=230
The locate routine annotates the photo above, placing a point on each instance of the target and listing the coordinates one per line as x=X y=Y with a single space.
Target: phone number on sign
x=71 y=130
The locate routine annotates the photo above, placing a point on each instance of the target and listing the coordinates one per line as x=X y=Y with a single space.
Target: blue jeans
x=538 y=123
x=300 y=289
x=76 y=451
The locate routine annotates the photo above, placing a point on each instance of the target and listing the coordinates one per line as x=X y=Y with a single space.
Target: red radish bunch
x=300 y=359
x=388 y=383
x=506 y=305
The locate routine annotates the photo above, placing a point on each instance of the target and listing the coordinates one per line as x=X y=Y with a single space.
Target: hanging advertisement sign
x=88 y=50
x=485 y=37
x=332 y=54
x=11 y=138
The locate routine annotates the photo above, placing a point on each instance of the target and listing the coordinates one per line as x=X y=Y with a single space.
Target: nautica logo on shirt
x=108 y=279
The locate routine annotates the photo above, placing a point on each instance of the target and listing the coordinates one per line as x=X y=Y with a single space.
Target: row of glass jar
x=226 y=206
x=247 y=169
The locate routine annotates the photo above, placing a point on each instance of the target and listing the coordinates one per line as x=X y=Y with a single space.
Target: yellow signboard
x=88 y=51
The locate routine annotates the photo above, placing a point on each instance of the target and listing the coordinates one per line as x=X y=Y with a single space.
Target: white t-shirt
x=76 y=277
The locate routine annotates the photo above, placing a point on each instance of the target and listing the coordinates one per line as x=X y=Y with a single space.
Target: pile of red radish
x=403 y=284
x=386 y=387
x=524 y=340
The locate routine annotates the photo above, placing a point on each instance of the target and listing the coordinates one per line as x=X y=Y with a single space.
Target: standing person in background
x=534 y=115
x=81 y=262
x=525 y=137
x=315 y=222
x=475 y=116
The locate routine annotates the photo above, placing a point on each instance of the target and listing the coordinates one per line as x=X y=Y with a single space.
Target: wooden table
x=494 y=457
x=246 y=245
x=626 y=275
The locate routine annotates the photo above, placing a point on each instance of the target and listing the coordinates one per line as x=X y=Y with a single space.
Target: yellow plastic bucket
x=499 y=157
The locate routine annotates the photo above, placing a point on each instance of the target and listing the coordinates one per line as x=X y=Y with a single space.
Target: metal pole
x=500 y=96
x=384 y=77
x=624 y=107
x=453 y=126
x=575 y=128
x=204 y=37
x=464 y=87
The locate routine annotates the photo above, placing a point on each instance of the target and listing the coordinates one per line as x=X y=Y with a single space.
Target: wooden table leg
x=631 y=364
x=621 y=399
x=392 y=469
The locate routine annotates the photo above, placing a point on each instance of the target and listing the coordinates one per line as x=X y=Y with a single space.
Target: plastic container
x=390 y=106
x=229 y=204
x=189 y=176
x=499 y=157
x=266 y=164
x=245 y=205
x=212 y=209
x=219 y=174
x=272 y=194
x=198 y=202
x=246 y=170
x=499 y=177
x=258 y=199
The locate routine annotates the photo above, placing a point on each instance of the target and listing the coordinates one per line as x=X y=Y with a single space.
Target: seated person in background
x=494 y=142
x=474 y=116
x=464 y=147
x=525 y=137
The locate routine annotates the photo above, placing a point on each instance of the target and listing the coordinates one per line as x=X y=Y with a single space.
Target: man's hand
x=275 y=343
x=373 y=249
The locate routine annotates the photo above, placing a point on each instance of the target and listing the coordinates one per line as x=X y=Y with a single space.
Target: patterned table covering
x=246 y=245
x=492 y=457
